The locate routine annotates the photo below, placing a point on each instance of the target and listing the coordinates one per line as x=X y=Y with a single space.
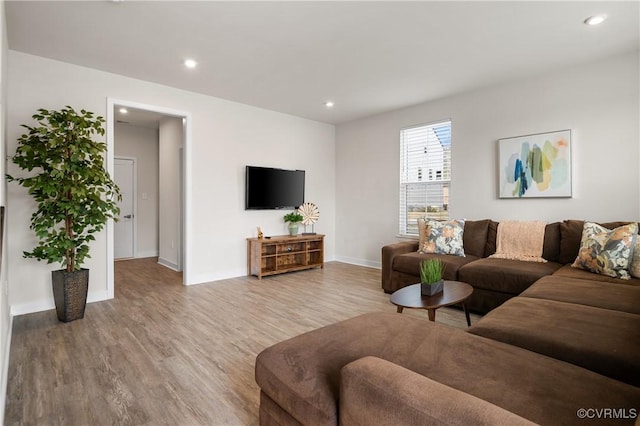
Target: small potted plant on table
x=294 y=218
x=431 y=273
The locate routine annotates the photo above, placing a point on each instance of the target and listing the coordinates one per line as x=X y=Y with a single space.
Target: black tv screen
x=268 y=188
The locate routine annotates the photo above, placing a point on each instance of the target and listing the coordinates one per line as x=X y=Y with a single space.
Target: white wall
x=226 y=137
x=598 y=101
x=5 y=318
x=142 y=143
x=171 y=135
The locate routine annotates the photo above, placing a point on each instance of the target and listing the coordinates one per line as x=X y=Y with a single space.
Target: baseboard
x=168 y=264
x=359 y=262
x=145 y=254
x=5 y=369
x=48 y=304
x=98 y=297
x=32 y=307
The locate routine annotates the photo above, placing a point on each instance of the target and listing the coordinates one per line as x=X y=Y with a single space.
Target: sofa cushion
x=567 y=332
x=571 y=272
x=634 y=268
x=374 y=391
x=507 y=276
x=617 y=297
x=551 y=249
x=571 y=235
x=444 y=237
x=607 y=251
x=302 y=374
x=409 y=263
x=492 y=235
x=475 y=237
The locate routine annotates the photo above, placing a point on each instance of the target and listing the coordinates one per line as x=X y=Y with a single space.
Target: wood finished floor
x=160 y=353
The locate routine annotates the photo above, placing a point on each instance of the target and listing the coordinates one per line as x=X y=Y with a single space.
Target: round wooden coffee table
x=453 y=292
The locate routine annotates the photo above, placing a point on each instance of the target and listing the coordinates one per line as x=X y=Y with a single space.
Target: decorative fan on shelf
x=310 y=216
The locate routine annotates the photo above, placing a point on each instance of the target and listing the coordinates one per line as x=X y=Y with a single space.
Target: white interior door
x=124 y=177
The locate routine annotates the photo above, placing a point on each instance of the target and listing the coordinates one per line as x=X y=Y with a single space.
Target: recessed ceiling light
x=595 y=19
x=123 y=110
x=329 y=104
x=190 y=63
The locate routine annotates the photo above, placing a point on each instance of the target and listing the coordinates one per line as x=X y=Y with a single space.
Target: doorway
x=124 y=175
x=184 y=168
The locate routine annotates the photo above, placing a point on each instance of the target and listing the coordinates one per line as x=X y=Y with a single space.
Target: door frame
x=187 y=232
x=135 y=201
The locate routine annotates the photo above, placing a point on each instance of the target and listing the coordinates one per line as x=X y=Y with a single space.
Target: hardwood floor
x=162 y=353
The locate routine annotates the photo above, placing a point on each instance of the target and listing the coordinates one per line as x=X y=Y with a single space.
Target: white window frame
x=425 y=174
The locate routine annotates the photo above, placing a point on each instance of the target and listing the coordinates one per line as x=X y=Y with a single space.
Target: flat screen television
x=269 y=189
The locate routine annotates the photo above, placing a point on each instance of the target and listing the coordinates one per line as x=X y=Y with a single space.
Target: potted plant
x=431 y=273
x=294 y=218
x=74 y=194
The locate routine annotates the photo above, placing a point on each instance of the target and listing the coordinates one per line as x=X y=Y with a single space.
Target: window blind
x=425 y=174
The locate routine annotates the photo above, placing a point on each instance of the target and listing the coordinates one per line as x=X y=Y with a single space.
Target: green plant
x=73 y=191
x=293 y=217
x=431 y=271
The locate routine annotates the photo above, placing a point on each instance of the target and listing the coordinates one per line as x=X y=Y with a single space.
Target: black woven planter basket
x=70 y=293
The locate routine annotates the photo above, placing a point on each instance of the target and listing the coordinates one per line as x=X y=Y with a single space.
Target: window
x=426 y=147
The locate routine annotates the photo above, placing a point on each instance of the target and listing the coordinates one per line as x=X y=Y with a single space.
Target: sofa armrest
x=388 y=253
x=375 y=391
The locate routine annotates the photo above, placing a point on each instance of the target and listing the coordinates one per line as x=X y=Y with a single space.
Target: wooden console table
x=284 y=253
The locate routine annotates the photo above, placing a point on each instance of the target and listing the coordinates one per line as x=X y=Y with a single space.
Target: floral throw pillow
x=444 y=237
x=607 y=252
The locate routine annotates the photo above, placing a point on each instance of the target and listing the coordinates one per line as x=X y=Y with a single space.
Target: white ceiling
x=367 y=57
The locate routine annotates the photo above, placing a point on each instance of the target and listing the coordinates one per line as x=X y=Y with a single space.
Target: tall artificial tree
x=74 y=193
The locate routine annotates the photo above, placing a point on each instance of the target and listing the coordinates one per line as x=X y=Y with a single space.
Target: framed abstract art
x=535 y=166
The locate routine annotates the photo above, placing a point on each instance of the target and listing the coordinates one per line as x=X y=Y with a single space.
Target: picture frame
x=535 y=166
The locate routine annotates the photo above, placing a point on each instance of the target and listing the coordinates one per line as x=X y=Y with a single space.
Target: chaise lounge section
x=302 y=380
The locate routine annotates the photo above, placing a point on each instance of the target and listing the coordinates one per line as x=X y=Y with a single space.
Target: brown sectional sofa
x=494 y=280
x=569 y=341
